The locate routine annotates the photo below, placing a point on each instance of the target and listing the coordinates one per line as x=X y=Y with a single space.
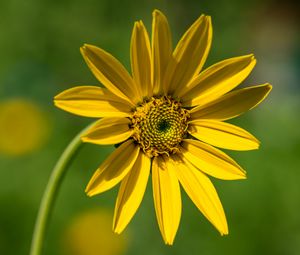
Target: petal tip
x=257 y=144
x=224 y=233
x=243 y=177
x=156 y=12
x=169 y=241
x=117 y=232
x=249 y=56
x=141 y=24
x=116 y=229
x=84 y=139
x=269 y=86
x=208 y=18
x=83 y=47
x=202 y=18
x=58 y=96
x=223 y=229
x=86 y=47
x=136 y=24
x=252 y=59
x=56 y=103
x=208 y=24
x=83 y=50
x=89 y=193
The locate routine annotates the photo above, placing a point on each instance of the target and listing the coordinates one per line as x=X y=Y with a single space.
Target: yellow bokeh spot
x=90 y=233
x=23 y=127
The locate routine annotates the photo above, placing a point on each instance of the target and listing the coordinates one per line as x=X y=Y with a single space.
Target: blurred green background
x=40 y=57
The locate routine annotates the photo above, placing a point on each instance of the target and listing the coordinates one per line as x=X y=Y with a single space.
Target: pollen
x=159 y=125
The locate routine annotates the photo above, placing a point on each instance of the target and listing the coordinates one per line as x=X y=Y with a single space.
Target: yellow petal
x=167 y=198
x=108 y=131
x=211 y=160
x=161 y=49
x=111 y=73
x=140 y=59
x=113 y=169
x=232 y=104
x=190 y=53
x=92 y=101
x=202 y=192
x=216 y=80
x=131 y=192
x=223 y=135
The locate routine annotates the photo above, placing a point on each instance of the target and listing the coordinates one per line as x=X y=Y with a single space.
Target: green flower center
x=163 y=126
x=160 y=124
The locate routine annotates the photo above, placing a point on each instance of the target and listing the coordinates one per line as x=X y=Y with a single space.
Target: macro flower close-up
x=167 y=119
x=149 y=127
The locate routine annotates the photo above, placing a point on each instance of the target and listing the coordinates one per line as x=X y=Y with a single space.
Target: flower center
x=159 y=125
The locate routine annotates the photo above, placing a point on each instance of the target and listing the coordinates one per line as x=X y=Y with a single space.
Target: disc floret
x=159 y=124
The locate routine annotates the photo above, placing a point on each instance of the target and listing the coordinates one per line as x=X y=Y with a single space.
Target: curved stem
x=50 y=193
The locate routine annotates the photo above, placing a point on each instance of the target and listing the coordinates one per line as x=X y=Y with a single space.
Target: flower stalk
x=51 y=191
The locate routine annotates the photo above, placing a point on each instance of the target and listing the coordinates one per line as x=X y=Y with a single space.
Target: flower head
x=24 y=128
x=90 y=232
x=167 y=116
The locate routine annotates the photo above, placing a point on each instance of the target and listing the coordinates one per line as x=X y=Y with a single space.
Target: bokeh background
x=39 y=45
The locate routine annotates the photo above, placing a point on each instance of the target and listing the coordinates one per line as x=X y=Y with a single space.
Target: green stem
x=50 y=193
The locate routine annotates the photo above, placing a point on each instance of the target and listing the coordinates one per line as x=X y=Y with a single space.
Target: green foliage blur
x=39 y=45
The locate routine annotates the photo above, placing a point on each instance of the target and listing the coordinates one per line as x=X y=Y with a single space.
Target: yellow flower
x=90 y=232
x=167 y=116
x=23 y=127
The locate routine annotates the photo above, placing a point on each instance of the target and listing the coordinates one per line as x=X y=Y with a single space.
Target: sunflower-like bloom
x=166 y=116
